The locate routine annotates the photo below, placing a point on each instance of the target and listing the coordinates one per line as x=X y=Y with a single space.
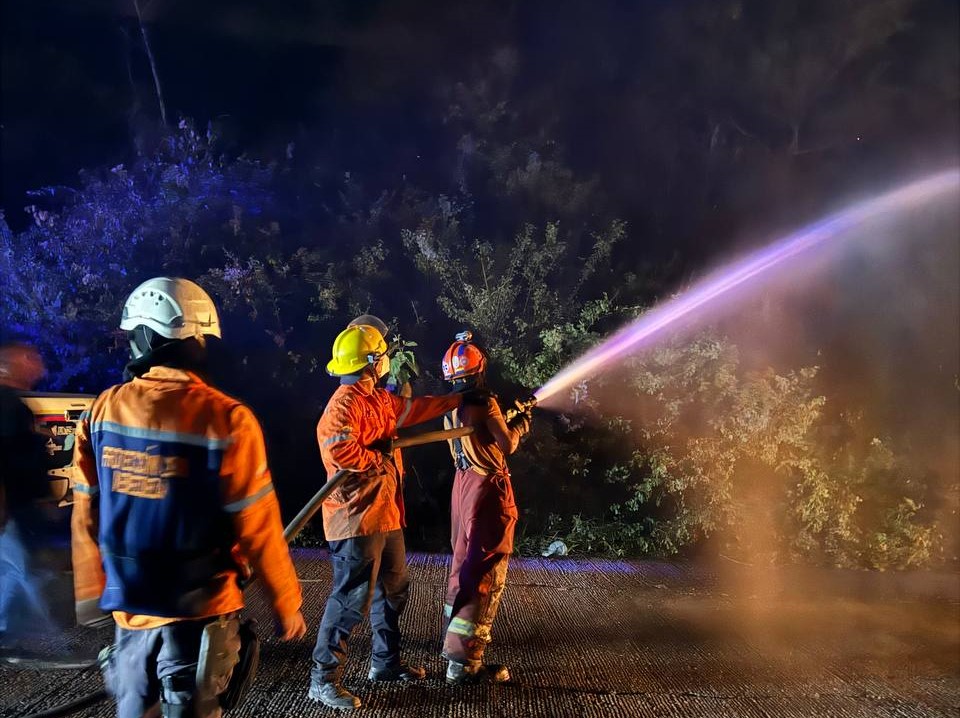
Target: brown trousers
x=483 y=516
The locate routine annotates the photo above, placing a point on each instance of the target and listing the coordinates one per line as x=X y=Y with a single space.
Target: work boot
x=399 y=672
x=472 y=673
x=333 y=695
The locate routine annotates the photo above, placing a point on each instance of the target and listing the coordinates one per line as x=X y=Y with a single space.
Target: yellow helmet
x=354 y=348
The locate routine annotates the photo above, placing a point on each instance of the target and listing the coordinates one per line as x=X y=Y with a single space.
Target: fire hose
x=299 y=521
x=291 y=531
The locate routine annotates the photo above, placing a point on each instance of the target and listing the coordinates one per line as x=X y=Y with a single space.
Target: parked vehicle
x=56 y=418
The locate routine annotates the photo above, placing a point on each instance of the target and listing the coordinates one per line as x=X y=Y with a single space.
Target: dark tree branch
x=153 y=62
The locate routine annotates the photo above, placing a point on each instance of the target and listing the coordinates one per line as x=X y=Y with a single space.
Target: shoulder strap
x=459 y=455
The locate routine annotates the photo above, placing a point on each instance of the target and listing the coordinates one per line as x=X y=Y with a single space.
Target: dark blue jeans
x=156 y=664
x=369 y=574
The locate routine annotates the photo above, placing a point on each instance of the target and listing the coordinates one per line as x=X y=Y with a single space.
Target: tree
x=519 y=298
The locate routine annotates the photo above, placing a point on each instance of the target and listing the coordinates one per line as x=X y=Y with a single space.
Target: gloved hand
x=384 y=446
x=521 y=422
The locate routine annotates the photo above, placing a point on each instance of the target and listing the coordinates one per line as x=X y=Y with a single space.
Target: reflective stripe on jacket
x=357 y=415
x=173 y=498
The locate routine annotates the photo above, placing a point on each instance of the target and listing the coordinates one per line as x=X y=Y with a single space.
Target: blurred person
x=23 y=483
x=483 y=514
x=363 y=519
x=174 y=501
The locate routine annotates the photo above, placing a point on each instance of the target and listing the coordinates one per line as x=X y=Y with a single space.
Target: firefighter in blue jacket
x=174 y=500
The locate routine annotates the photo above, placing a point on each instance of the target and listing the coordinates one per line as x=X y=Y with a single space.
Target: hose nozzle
x=521 y=406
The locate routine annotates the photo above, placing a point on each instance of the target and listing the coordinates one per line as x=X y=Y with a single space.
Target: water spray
x=721 y=283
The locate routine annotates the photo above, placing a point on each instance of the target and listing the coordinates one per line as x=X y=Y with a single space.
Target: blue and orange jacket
x=173 y=500
x=357 y=415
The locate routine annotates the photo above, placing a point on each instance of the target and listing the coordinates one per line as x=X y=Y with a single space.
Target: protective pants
x=366 y=570
x=154 y=664
x=483 y=517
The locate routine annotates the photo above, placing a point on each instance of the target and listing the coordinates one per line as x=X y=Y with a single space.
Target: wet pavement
x=617 y=638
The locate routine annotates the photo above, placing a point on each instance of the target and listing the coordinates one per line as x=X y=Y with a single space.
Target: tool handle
x=432 y=437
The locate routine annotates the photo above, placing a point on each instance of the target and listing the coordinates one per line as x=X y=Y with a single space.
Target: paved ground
x=607 y=638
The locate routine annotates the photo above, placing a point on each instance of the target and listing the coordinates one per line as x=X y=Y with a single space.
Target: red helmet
x=463 y=359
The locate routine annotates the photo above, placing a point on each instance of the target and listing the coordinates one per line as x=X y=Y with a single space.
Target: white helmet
x=174 y=308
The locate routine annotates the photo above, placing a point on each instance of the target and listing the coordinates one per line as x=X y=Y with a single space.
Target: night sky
x=364 y=78
x=77 y=86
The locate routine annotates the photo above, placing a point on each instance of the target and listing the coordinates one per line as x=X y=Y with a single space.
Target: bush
x=679 y=448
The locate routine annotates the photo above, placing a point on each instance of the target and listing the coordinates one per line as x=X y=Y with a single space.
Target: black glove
x=476 y=397
x=384 y=446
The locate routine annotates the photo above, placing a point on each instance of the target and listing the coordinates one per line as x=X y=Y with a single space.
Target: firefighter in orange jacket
x=483 y=516
x=363 y=520
x=173 y=501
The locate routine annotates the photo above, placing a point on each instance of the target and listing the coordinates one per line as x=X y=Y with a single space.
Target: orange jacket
x=357 y=415
x=183 y=460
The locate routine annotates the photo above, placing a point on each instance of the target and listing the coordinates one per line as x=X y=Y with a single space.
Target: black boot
x=473 y=673
x=333 y=695
x=399 y=672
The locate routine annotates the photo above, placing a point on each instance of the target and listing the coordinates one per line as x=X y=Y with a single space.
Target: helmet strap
x=143 y=340
x=474 y=381
x=187 y=354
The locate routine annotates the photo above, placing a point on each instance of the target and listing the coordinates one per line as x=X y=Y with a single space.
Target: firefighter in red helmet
x=483 y=515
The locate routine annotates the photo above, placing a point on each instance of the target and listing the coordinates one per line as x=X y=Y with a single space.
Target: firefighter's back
x=159 y=443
